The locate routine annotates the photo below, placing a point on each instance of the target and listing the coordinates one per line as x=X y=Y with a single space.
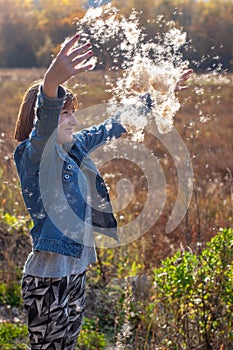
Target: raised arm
x=68 y=63
x=113 y=127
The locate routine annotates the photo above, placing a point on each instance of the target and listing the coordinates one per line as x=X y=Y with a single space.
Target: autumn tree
x=32 y=30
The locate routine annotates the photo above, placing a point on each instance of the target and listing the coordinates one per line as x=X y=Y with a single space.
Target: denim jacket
x=56 y=181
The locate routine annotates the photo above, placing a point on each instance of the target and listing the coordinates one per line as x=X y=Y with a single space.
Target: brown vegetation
x=209 y=143
x=31 y=31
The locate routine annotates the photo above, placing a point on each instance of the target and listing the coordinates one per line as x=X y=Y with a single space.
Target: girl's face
x=67 y=123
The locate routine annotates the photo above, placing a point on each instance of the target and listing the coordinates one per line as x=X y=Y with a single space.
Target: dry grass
x=210 y=144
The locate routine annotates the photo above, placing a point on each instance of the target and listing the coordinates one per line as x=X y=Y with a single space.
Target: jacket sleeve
x=47 y=114
x=112 y=127
x=97 y=135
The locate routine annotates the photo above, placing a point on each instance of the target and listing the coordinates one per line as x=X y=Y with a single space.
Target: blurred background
x=163 y=291
x=31 y=31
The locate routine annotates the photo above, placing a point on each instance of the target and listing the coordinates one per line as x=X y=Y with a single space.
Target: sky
x=96 y=3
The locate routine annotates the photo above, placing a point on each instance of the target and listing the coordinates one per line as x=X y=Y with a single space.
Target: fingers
x=80 y=54
x=182 y=87
x=72 y=56
x=77 y=66
x=67 y=45
x=185 y=76
x=70 y=50
x=84 y=68
x=79 y=50
x=78 y=60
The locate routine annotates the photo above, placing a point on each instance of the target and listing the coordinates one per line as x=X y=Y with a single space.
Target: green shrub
x=193 y=302
x=90 y=338
x=13 y=337
x=10 y=294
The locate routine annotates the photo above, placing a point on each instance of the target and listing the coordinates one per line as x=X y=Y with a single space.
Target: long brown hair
x=26 y=115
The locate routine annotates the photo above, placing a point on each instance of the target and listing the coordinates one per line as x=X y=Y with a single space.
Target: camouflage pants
x=54 y=309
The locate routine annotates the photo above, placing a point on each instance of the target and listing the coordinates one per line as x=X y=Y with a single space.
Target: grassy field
x=205 y=123
x=209 y=143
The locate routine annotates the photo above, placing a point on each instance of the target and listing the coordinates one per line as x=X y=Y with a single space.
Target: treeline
x=31 y=30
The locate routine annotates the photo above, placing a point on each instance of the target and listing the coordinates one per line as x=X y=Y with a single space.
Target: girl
x=66 y=197
x=53 y=286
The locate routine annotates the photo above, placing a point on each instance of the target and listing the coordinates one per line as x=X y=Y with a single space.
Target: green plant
x=193 y=303
x=13 y=337
x=10 y=294
x=90 y=337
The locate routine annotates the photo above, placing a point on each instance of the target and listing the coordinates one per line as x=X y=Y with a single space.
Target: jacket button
x=69 y=167
x=66 y=177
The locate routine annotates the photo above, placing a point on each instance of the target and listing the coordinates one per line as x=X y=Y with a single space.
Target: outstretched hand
x=185 y=76
x=69 y=62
